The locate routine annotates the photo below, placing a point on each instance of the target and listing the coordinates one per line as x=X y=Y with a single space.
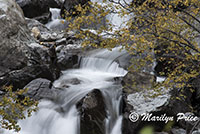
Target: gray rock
x=14 y=37
x=41 y=89
x=34 y=23
x=68 y=56
x=22 y=60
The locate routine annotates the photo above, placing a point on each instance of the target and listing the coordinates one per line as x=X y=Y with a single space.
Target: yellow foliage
x=173 y=24
x=13 y=108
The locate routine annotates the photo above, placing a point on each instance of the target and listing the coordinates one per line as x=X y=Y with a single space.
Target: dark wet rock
x=195 y=82
x=19 y=78
x=69 y=60
x=54 y=3
x=44 y=18
x=41 y=89
x=92 y=113
x=14 y=38
x=196 y=85
x=37 y=9
x=42 y=64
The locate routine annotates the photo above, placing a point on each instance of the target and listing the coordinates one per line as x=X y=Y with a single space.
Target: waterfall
x=56 y=23
x=96 y=71
x=61 y=116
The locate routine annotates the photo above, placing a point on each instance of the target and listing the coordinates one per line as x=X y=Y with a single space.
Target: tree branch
x=190 y=45
x=191 y=16
x=190 y=24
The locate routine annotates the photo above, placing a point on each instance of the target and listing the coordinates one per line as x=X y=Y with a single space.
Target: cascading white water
x=96 y=72
x=61 y=116
x=56 y=23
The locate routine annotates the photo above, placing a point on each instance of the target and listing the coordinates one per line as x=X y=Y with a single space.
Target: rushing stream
x=97 y=71
x=61 y=116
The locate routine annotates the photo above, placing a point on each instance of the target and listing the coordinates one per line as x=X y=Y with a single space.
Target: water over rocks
x=91 y=83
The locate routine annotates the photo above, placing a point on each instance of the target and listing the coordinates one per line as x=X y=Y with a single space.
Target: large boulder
x=38 y=9
x=41 y=89
x=22 y=60
x=19 y=78
x=93 y=113
x=14 y=37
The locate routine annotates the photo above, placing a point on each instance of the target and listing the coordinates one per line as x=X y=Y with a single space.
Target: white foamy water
x=56 y=23
x=61 y=116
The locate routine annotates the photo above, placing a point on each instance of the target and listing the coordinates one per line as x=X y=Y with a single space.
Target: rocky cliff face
x=14 y=37
x=20 y=61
